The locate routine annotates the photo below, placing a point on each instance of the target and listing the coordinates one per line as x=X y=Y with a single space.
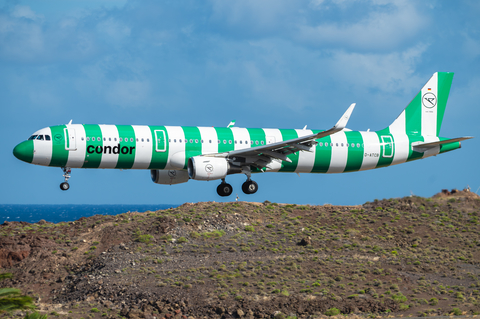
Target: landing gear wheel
x=224 y=189
x=64 y=186
x=250 y=187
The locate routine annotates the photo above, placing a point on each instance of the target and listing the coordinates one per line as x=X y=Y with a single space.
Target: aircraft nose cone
x=24 y=151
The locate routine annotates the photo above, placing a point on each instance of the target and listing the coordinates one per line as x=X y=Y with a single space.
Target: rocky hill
x=406 y=256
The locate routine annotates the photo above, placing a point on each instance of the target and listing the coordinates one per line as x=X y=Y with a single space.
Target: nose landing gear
x=66 y=173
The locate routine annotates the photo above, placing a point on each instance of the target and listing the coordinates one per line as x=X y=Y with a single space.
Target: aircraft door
x=387 y=146
x=160 y=143
x=70 y=139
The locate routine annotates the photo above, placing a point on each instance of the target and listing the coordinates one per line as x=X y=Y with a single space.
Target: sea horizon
x=56 y=213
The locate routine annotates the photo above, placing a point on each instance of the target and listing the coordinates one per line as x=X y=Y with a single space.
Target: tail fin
x=424 y=115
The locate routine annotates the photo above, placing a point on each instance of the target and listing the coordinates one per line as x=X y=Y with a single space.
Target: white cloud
x=26 y=12
x=392 y=72
x=387 y=25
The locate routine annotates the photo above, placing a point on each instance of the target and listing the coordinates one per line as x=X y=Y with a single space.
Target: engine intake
x=204 y=168
x=168 y=177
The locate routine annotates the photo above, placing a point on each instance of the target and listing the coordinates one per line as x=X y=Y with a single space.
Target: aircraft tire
x=64 y=186
x=250 y=187
x=224 y=189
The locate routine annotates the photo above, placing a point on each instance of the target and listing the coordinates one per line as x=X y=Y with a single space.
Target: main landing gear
x=225 y=189
x=66 y=173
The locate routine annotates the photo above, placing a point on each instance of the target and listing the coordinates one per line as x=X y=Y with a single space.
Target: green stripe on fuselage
x=323 y=155
x=225 y=136
x=193 y=147
x=385 y=161
x=412 y=155
x=355 y=154
x=286 y=166
x=126 y=133
x=94 y=139
x=59 y=153
x=159 y=158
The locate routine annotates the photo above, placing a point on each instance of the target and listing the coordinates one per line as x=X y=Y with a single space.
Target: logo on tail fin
x=429 y=100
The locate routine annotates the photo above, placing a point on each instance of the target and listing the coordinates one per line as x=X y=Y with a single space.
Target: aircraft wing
x=280 y=150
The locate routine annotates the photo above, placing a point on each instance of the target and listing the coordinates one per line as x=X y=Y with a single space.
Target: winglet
x=342 y=122
x=70 y=122
x=232 y=123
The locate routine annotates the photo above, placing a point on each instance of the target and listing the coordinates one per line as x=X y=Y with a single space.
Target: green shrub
x=249 y=228
x=94 y=310
x=332 y=312
x=182 y=240
x=456 y=311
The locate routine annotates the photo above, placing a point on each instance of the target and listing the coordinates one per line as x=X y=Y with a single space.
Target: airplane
x=176 y=154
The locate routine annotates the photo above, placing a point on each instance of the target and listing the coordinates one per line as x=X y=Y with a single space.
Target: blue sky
x=269 y=63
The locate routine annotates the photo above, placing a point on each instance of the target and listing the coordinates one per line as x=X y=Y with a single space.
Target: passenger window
x=109 y=139
x=131 y=139
x=218 y=141
x=321 y=144
x=142 y=139
x=88 y=138
x=186 y=141
x=99 y=139
x=191 y=141
x=224 y=141
x=120 y=139
x=82 y=138
x=261 y=142
x=256 y=142
x=331 y=144
x=47 y=137
x=175 y=141
x=235 y=141
x=115 y=139
x=148 y=140
x=342 y=144
x=180 y=140
x=229 y=141
x=196 y=141
x=358 y=144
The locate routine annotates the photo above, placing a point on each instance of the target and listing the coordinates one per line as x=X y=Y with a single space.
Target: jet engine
x=168 y=177
x=205 y=168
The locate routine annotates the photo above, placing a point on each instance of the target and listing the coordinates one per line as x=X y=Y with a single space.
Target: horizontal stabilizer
x=424 y=146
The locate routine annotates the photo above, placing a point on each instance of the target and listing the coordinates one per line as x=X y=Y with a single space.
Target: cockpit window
x=39 y=137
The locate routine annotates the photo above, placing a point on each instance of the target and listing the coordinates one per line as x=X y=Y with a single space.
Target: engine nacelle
x=168 y=177
x=205 y=168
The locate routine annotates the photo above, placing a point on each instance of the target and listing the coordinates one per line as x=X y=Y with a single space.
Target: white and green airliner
x=176 y=154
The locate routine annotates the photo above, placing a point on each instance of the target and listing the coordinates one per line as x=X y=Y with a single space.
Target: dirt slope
x=409 y=256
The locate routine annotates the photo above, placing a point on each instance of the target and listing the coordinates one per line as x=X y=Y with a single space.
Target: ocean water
x=67 y=213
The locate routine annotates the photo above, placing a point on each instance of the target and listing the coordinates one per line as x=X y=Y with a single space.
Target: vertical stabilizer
x=424 y=115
